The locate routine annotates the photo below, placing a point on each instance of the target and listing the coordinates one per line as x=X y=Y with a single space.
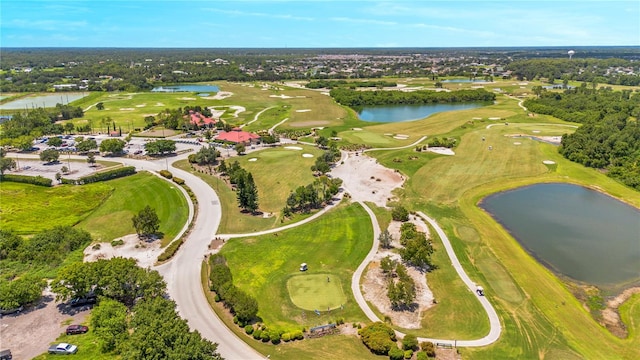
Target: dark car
x=76 y=329
x=85 y=300
x=5 y=354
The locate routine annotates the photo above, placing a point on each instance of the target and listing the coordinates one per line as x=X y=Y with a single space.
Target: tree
x=100 y=106
x=410 y=342
x=113 y=146
x=387 y=265
x=109 y=322
x=146 y=222
x=68 y=127
x=5 y=162
x=86 y=145
x=247 y=192
x=54 y=141
x=91 y=159
x=64 y=170
x=322 y=141
x=207 y=155
x=49 y=155
x=240 y=148
x=22 y=291
x=160 y=147
x=399 y=213
x=385 y=239
x=402 y=292
x=417 y=251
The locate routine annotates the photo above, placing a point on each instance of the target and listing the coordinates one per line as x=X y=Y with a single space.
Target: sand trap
x=388 y=134
x=303 y=110
x=494 y=118
x=282 y=96
x=186 y=98
x=517 y=143
x=141 y=105
x=401 y=137
x=536 y=131
x=441 y=150
x=307 y=155
x=476 y=118
x=127 y=109
x=145 y=115
x=548 y=162
x=356 y=129
x=293 y=147
x=325 y=93
x=253 y=159
x=159 y=104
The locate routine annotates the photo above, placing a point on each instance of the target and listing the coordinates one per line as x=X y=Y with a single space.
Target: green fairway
x=316 y=291
x=28 y=209
x=131 y=194
x=332 y=245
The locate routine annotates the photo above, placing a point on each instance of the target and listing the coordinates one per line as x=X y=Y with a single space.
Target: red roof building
x=238 y=136
x=201 y=120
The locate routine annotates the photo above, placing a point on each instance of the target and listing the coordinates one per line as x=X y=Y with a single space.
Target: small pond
x=576 y=232
x=46 y=101
x=186 y=88
x=398 y=113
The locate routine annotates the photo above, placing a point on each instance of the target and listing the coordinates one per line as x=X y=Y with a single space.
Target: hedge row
x=107 y=175
x=34 y=180
x=171 y=249
x=166 y=173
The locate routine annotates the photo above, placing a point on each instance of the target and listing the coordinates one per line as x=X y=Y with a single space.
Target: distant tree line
x=356 y=99
x=25 y=126
x=609 y=138
x=586 y=70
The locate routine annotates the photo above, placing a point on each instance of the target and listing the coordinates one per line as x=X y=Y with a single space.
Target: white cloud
x=364 y=21
x=259 y=14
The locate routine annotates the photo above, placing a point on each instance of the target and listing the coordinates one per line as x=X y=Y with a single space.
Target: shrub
x=297 y=335
x=257 y=334
x=118 y=242
x=379 y=338
x=171 y=250
x=421 y=355
x=396 y=354
x=166 y=173
x=408 y=354
x=192 y=158
x=178 y=181
x=235 y=319
x=107 y=175
x=217 y=298
x=248 y=329
x=428 y=348
x=265 y=336
x=286 y=337
x=274 y=336
x=410 y=342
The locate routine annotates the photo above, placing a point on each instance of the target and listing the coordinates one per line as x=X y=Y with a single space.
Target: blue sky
x=317 y=23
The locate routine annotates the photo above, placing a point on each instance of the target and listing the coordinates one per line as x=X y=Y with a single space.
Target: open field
x=130 y=195
x=333 y=246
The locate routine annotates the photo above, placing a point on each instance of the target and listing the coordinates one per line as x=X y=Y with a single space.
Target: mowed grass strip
x=334 y=244
x=131 y=194
x=28 y=209
x=316 y=291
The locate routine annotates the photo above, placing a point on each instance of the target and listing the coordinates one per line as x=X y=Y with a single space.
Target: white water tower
x=571 y=52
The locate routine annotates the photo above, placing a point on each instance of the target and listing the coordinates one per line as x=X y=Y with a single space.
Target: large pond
x=575 y=231
x=398 y=113
x=42 y=101
x=186 y=88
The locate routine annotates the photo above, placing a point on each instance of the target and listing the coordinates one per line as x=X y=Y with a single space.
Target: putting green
x=314 y=292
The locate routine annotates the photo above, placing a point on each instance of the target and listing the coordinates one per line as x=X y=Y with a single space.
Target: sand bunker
x=401 y=137
x=536 y=131
x=441 y=150
x=127 y=109
x=494 y=118
x=476 y=118
x=159 y=104
x=282 y=96
x=356 y=129
x=293 y=147
x=141 y=105
x=517 y=143
x=253 y=159
x=548 y=162
x=303 y=110
x=307 y=155
x=144 y=252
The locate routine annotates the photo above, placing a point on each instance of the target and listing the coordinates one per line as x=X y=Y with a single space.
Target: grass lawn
x=316 y=291
x=130 y=195
x=29 y=209
x=277 y=172
x=333 y=245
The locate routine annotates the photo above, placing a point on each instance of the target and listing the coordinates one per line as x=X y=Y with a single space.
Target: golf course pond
x=45 y=101
x=399 y=113
x=576 y=232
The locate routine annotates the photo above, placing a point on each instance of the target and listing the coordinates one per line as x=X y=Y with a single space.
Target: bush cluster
x=171 y=250
x=379 y=338
x=179 y=181
x=243 y=305
x=34 y=180
x=107 y=175
x=166 y=174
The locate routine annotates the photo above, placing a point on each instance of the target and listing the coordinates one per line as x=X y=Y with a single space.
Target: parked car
x=63 y=349
x=85 y=300
x=76 y=329
x=5 y=354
